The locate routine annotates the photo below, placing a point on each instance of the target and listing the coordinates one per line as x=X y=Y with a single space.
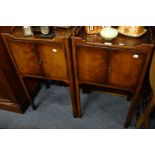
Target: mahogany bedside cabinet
x=43 y=58
x=118 y=66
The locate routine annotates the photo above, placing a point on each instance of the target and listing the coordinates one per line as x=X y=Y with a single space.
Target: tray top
x=119 y=40
x=60 y=32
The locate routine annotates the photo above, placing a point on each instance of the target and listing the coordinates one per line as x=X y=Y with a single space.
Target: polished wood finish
x=144 y=118
x=124 y=68
x=92 y=64
x=6 y=93
x=25 y=57
x=120 y=66
x=52 y=58
x=12 y=93
x=40 y=58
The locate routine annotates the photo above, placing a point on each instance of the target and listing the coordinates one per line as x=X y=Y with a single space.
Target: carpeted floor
x=100 y=111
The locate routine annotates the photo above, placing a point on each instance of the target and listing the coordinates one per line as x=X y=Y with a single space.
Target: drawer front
x=25 y=57
x=53 y=60
x=125 y=68
x=92 y=64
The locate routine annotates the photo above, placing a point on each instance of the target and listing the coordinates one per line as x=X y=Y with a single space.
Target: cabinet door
x=125 y=68
x=53 y=60
x=25 y=57
x=92 y=64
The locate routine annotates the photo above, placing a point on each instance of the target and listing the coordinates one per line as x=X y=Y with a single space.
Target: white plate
x=145 y=30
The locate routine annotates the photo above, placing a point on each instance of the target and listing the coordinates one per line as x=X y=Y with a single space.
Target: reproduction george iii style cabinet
x=77 y=60
x=118 y=66
x=40 y=58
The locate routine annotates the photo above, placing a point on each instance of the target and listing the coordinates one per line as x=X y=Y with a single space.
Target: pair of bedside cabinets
x=82 y=61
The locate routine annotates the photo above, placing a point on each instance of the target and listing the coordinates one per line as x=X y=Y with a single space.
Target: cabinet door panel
x=53 y=60
x=125 y=68
x=25 y=58
x=92 y=64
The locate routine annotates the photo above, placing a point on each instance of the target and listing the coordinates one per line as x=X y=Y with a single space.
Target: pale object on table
x=133 y=35
x=108 y=33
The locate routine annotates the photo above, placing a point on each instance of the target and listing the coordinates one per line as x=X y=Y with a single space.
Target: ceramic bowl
x=108 y=33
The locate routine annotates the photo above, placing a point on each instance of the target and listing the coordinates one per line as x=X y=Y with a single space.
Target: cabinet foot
x=74 y=115
x=79 y=116
x=47 y=84
x=34 y=107
x=126 y=125
x=129 y=98
x=140 y=121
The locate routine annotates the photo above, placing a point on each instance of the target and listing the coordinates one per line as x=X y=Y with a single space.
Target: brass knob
x=54 y=50
x=135 y=56
x=109 y=69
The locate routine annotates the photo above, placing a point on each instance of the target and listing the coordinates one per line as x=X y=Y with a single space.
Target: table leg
x=147 y=113
x=145 y=117
x=131 y=111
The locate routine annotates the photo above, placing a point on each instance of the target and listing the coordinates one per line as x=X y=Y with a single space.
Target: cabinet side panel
x=5 y=91
x=11 y=75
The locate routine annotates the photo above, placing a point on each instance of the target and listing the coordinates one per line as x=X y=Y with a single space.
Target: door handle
x=54 y=50
x=135 y=56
